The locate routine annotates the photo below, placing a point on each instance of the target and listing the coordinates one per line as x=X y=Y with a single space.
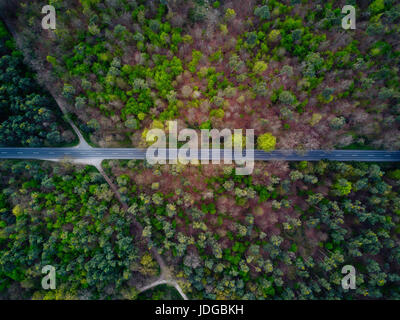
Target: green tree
x=260 y=67
x=262 y=12
x=342 y=187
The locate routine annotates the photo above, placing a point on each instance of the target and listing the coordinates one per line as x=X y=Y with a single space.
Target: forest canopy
x=29 y=116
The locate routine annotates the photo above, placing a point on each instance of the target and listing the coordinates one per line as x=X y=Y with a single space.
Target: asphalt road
x=131 y=153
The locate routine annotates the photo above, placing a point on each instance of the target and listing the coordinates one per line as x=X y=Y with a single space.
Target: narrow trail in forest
x=165 y=277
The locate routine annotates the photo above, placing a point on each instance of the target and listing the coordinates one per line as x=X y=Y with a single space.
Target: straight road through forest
x=140 y=154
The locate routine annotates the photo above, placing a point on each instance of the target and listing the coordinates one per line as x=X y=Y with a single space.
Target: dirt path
x=165 y=277
x=167 y=282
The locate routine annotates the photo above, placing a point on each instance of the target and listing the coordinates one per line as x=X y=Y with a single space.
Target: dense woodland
x=284 y=68
x=29 y=116
x=66 y=217
x=280 y=67
x=284 y=232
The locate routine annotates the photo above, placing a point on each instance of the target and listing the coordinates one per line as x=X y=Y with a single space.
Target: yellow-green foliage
x=260 y=67
x=218 y=113
x=266 y=142
x=230 y=14
x=316 y=117
x=377 y=6
x=17 y=210
x=274 y=35
x=223 y=28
